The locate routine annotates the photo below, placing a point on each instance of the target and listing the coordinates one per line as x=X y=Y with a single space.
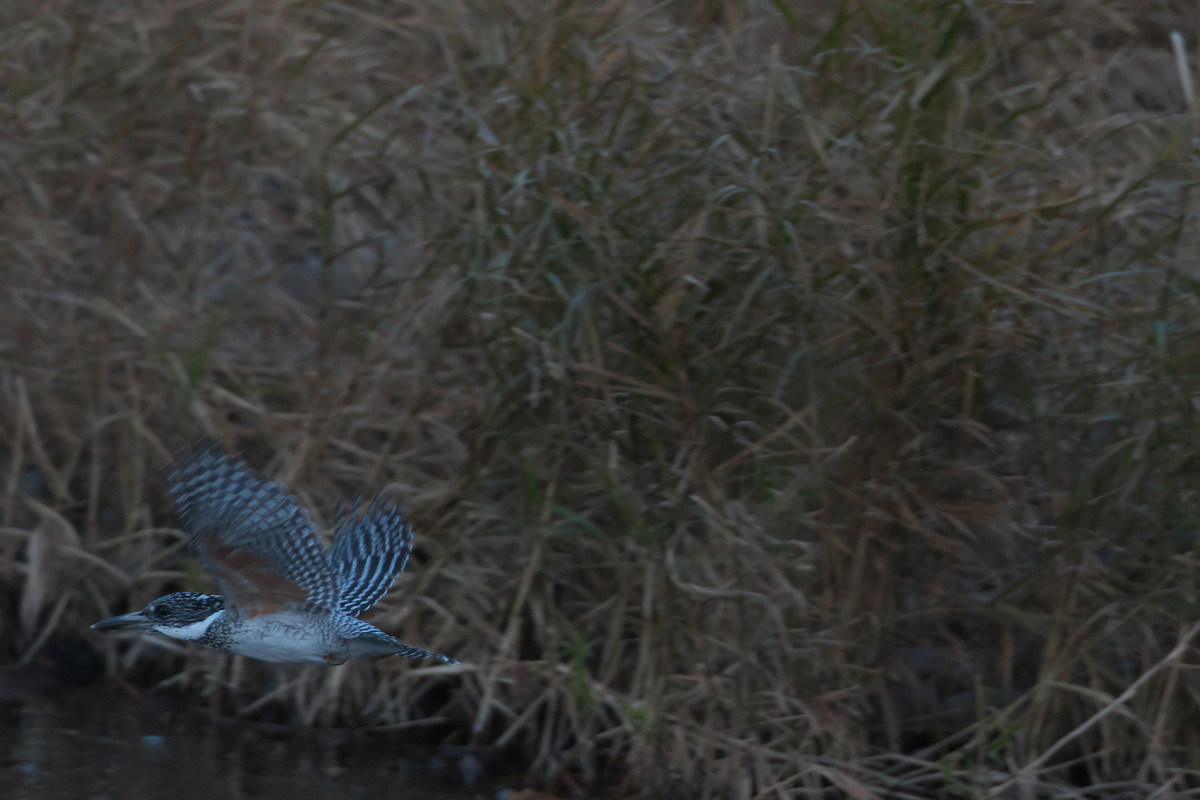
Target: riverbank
x=788 y=397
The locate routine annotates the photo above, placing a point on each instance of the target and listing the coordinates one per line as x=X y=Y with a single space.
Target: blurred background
x=791 y=398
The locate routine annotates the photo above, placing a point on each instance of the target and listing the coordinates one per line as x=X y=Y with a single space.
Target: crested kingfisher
x=284 y=597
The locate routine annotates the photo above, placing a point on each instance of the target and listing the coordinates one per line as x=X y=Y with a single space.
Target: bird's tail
x=377 y=643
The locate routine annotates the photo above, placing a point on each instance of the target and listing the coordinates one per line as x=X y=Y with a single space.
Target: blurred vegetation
x=792 y=398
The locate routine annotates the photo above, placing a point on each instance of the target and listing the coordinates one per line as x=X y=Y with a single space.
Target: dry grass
x=784 y=410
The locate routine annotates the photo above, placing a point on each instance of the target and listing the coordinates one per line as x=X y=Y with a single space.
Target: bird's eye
x=159 y=611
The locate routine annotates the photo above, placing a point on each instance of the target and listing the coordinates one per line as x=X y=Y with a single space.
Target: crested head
x=182 y=615
x=184 y=608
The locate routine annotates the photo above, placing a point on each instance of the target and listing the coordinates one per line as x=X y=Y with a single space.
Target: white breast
x=283 y=639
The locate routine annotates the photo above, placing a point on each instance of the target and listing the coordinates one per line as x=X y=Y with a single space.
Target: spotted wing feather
x=255 y=539
x=368 y=552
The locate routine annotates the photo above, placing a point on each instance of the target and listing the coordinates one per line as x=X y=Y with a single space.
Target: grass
x=792 y=399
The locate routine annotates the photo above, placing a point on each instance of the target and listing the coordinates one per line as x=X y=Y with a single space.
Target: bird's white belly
x=283 y=640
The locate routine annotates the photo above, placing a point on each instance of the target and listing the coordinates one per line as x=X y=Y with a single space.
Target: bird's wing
x=254 y=538
x=367 y=552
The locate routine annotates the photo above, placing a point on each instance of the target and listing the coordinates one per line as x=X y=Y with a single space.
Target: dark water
x=96 y=745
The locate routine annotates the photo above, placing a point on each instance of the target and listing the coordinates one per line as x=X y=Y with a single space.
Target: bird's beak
x=136 y=621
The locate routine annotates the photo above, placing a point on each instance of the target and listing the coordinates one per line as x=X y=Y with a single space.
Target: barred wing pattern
x=254 y=538
x=367 y=553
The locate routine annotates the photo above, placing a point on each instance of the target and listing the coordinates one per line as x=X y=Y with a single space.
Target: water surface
x=96 y=745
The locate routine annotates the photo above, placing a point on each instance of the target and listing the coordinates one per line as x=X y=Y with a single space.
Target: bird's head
x=182 y=615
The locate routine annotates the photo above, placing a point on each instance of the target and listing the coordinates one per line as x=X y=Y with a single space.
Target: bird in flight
x=284 y=597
